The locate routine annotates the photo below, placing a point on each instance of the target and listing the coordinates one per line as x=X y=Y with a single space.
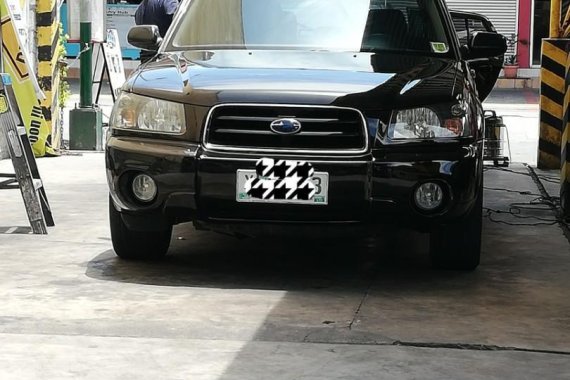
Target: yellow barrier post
x=47 y=23
x=552 y=91
x=555 y=18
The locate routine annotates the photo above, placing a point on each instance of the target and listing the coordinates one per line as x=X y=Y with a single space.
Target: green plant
x=64 y=91
x=63 y=88
x=512 y=59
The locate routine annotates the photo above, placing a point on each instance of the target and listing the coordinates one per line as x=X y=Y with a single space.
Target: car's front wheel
x=458 y=246
x=137 y=245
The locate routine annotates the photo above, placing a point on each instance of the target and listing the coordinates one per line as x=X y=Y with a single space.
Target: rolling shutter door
x=502 y=13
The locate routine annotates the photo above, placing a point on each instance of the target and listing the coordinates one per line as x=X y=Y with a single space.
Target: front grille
x=324 y=129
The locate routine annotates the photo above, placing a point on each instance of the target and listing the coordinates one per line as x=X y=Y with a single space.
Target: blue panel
x=6 y=79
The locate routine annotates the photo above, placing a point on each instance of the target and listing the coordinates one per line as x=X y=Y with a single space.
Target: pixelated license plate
x=311 y=191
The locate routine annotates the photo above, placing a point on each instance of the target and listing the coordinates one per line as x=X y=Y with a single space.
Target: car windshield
x=330 y=25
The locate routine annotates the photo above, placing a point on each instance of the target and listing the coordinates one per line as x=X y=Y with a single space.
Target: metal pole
x=85 y=121
x=86 y=59
x=565 y=26
x=555 y=18
x=1 y=49
x=565 y=153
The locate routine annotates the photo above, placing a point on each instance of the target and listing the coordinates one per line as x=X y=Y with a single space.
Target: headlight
x=423 y=123
x=137 y=112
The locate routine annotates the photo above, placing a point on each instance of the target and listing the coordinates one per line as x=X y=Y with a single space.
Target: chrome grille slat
x=270 y=119
x=244 y=131
x=304 y=133
x=325 y=129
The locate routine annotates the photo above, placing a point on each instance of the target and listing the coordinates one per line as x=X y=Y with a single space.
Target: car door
x=486 y=69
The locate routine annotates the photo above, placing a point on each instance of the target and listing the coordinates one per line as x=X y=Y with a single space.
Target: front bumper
x=368 y=189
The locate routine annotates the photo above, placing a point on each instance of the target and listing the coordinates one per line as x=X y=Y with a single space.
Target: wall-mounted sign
x=122 y=18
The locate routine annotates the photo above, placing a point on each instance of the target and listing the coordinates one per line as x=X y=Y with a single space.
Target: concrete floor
x=220 y=308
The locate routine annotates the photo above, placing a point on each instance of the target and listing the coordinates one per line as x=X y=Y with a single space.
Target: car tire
x=457 y=246
x=137 y=245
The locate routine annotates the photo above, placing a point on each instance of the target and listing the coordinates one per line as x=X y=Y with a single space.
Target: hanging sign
x=114 y=62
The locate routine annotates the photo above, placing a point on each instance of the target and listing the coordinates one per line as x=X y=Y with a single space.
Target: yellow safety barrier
x=552 y=91
x=47 y=22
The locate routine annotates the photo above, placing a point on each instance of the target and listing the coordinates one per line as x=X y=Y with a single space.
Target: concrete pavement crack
x=475 y=347
x=357 y=311
x=448 y=346
x=306 y=338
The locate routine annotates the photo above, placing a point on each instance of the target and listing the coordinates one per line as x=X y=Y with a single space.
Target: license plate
x=319 y=179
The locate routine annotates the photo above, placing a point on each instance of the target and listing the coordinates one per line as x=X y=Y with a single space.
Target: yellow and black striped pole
x=552 y=91
x=47 y=23
x=565 y=154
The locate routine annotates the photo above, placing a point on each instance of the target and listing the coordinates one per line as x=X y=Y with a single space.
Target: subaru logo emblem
x=286 y=126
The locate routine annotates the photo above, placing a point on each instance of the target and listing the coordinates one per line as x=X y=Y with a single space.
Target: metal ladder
x=26 y=175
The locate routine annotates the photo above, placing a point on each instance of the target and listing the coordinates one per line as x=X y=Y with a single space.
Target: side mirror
x=145 y=37
x=487 y=45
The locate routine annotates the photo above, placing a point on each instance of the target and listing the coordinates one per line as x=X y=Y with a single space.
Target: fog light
x=429 y=196
x=144 y=188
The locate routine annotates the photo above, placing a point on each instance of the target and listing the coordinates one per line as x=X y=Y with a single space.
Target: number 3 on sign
x=319 y=184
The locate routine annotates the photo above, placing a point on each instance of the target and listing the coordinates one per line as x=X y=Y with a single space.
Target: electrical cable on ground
x=542 y=203
x=555 y=208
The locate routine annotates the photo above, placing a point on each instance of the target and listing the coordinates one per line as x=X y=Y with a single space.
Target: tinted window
x=341 y=25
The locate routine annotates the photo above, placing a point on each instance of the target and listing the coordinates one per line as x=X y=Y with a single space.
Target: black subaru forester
x=264 y=116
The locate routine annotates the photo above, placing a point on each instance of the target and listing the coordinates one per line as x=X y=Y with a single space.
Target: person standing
x=155 y=12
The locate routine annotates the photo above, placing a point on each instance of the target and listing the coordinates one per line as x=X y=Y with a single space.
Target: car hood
x=360 y=80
